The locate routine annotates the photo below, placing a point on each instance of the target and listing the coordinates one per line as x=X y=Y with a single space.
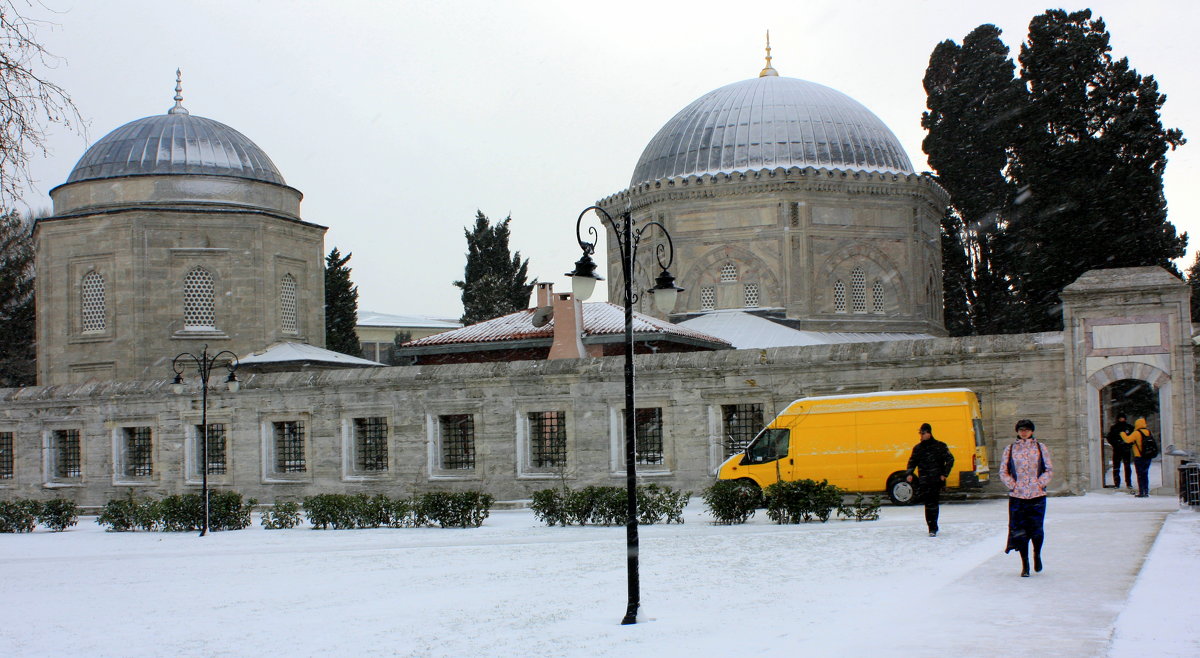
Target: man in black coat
x=932 y=462
x=1122 y=452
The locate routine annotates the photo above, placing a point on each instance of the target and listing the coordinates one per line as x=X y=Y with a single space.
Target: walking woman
x=1026 y=469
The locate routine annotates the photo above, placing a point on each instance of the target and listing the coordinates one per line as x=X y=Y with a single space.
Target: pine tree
x=1089 y=161
x=494 y=280
x=1193 y=280
x=974 y=105
x=341 y=306
x=18 y=353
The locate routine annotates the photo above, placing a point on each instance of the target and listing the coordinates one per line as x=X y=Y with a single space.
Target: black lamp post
x=583 y=282
x=204 y=364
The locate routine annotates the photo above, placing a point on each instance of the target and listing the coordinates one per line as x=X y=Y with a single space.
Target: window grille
x=458 y=441
x=839 y=296
x=199 y=306
x=289 y=447
x=287 y=305
x=751 y=295
x=877 y=297
x=92 y=311
x=370 y=443
x=648 y=436
x=858 y=291
x=6 y=455
x=795 y=208
x=708 y=298
x=740 y=423
x=216 y=448
x=66 y=454
x=139 y=452
x=728 y=273
x=548 y=438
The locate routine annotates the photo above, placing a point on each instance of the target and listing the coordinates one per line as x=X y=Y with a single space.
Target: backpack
x=1149 y=445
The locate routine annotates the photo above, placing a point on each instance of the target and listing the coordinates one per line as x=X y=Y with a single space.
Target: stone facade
x=477 y=426
x=829 y=250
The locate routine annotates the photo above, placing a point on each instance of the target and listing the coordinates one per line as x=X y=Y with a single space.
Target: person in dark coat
x=1026 y=469
x=932 y=462
x=1122 y=453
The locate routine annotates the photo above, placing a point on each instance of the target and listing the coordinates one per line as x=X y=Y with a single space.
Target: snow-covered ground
x=1121 y=579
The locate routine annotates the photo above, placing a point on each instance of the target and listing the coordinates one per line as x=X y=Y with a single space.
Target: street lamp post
x=583 y=282
x=204 y=364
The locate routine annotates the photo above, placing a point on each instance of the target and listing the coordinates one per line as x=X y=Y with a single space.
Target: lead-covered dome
x=175 y=143
x=770 y=122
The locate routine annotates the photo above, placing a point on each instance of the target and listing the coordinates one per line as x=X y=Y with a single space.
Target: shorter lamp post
x=204 y=364
x=583 y=282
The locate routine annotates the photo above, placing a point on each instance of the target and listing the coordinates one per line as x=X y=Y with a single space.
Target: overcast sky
x=397 y=120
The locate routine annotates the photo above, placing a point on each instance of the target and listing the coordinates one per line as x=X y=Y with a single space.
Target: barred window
x=648 y=436
x=858 y=291
x=139 y=452
x=708 y=298
x=91 y=303
x=728 y=273
x=457 y=441
x=216 y=448
x=839 y=296
x=199 y=305
x=548 y=438
x=751 y=295
x=6 y=455
x=289 y=447
x=371 y=443
x=877 y=297
x=287 y=305
x=66 y=453
x=795 y=212
x=740 y=423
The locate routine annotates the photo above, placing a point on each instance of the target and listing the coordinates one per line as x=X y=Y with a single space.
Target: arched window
x=728 y=273
x=877 y=297
x=839 y=296
x=199 y=307
x=92 y=312
x=751 y=295
x=858 y=291
x=287 y=305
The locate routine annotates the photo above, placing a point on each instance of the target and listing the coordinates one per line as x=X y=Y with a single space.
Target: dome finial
x=179 y=108
x=768 y=70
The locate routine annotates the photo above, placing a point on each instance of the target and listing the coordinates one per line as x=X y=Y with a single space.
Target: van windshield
x=771 y=444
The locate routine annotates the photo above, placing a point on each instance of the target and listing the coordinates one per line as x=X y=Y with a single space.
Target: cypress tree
x=1089 y=161
x=341 y=306
x=494 y=280
x=18 y=353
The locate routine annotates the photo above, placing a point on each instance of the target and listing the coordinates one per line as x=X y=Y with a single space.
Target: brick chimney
x=568 y=323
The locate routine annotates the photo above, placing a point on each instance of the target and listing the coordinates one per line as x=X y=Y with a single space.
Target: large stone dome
x=175 y=143
x=769 y=122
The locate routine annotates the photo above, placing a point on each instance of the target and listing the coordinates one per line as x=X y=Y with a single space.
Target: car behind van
x=862 y=442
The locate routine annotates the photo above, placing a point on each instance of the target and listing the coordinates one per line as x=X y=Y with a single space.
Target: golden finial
x=768 y=70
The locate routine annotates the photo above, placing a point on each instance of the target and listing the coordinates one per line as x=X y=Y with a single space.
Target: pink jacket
x=1026 y=483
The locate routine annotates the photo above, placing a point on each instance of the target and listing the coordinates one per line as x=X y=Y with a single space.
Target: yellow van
x=863 y=442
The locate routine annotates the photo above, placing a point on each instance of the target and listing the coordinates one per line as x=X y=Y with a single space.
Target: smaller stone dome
x=175 y=143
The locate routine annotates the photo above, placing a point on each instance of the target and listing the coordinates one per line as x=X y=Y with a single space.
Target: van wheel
x=752 y=486
x=900 y=490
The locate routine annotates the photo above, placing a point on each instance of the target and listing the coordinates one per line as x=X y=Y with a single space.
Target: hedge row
x=795 y=501
x=466 y=509
x=23 y=515
x=177 y=513
x=607 y=505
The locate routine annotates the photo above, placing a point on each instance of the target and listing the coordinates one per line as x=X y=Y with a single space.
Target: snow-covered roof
x=746 y=331
x=599 y=319
x=291 y=352
x=375 y=319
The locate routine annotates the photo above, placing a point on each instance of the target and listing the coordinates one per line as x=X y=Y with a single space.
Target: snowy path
x=515 y=587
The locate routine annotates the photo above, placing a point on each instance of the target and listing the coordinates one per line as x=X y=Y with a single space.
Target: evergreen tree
x=494 y=279
x=974 y=105
x=1089 y=161
x=1193 y=280
x=341 y=306
x=401 y=338
x=18 y=351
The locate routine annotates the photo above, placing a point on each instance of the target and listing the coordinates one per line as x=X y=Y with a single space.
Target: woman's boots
x=1037 y=555
x=1024 y=562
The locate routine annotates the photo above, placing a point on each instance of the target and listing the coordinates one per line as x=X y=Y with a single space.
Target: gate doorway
x=1135 y=399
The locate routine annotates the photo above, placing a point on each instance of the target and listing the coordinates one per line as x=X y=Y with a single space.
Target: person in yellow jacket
x=1141 y=465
